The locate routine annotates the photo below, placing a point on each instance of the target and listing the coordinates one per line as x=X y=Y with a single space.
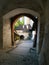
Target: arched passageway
x=14 y=15
x=32 y=20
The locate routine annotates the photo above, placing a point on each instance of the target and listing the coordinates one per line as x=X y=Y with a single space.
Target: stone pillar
x=6 y=33
x=1 y=32
x=38 y=34
x=42 y=28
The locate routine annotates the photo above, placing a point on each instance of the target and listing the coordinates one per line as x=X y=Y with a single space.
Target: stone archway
x=7 y=28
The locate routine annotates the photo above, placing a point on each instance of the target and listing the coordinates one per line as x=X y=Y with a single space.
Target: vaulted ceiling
x=8 y=5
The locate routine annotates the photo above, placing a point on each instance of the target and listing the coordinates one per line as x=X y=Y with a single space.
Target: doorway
x=24 y=27
x=8 y=20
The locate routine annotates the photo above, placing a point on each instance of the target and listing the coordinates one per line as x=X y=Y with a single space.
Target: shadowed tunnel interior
x=15 y=49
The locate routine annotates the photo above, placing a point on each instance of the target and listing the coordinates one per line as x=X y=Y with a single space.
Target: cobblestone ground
x=18 y=57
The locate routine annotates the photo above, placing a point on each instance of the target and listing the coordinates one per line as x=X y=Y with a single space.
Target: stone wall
x=9 y=5
x=1 y=32
x=6 y=33
x=44 y=54
x=42 y=28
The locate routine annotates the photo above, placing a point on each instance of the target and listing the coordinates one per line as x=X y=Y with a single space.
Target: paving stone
x=27 y=58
